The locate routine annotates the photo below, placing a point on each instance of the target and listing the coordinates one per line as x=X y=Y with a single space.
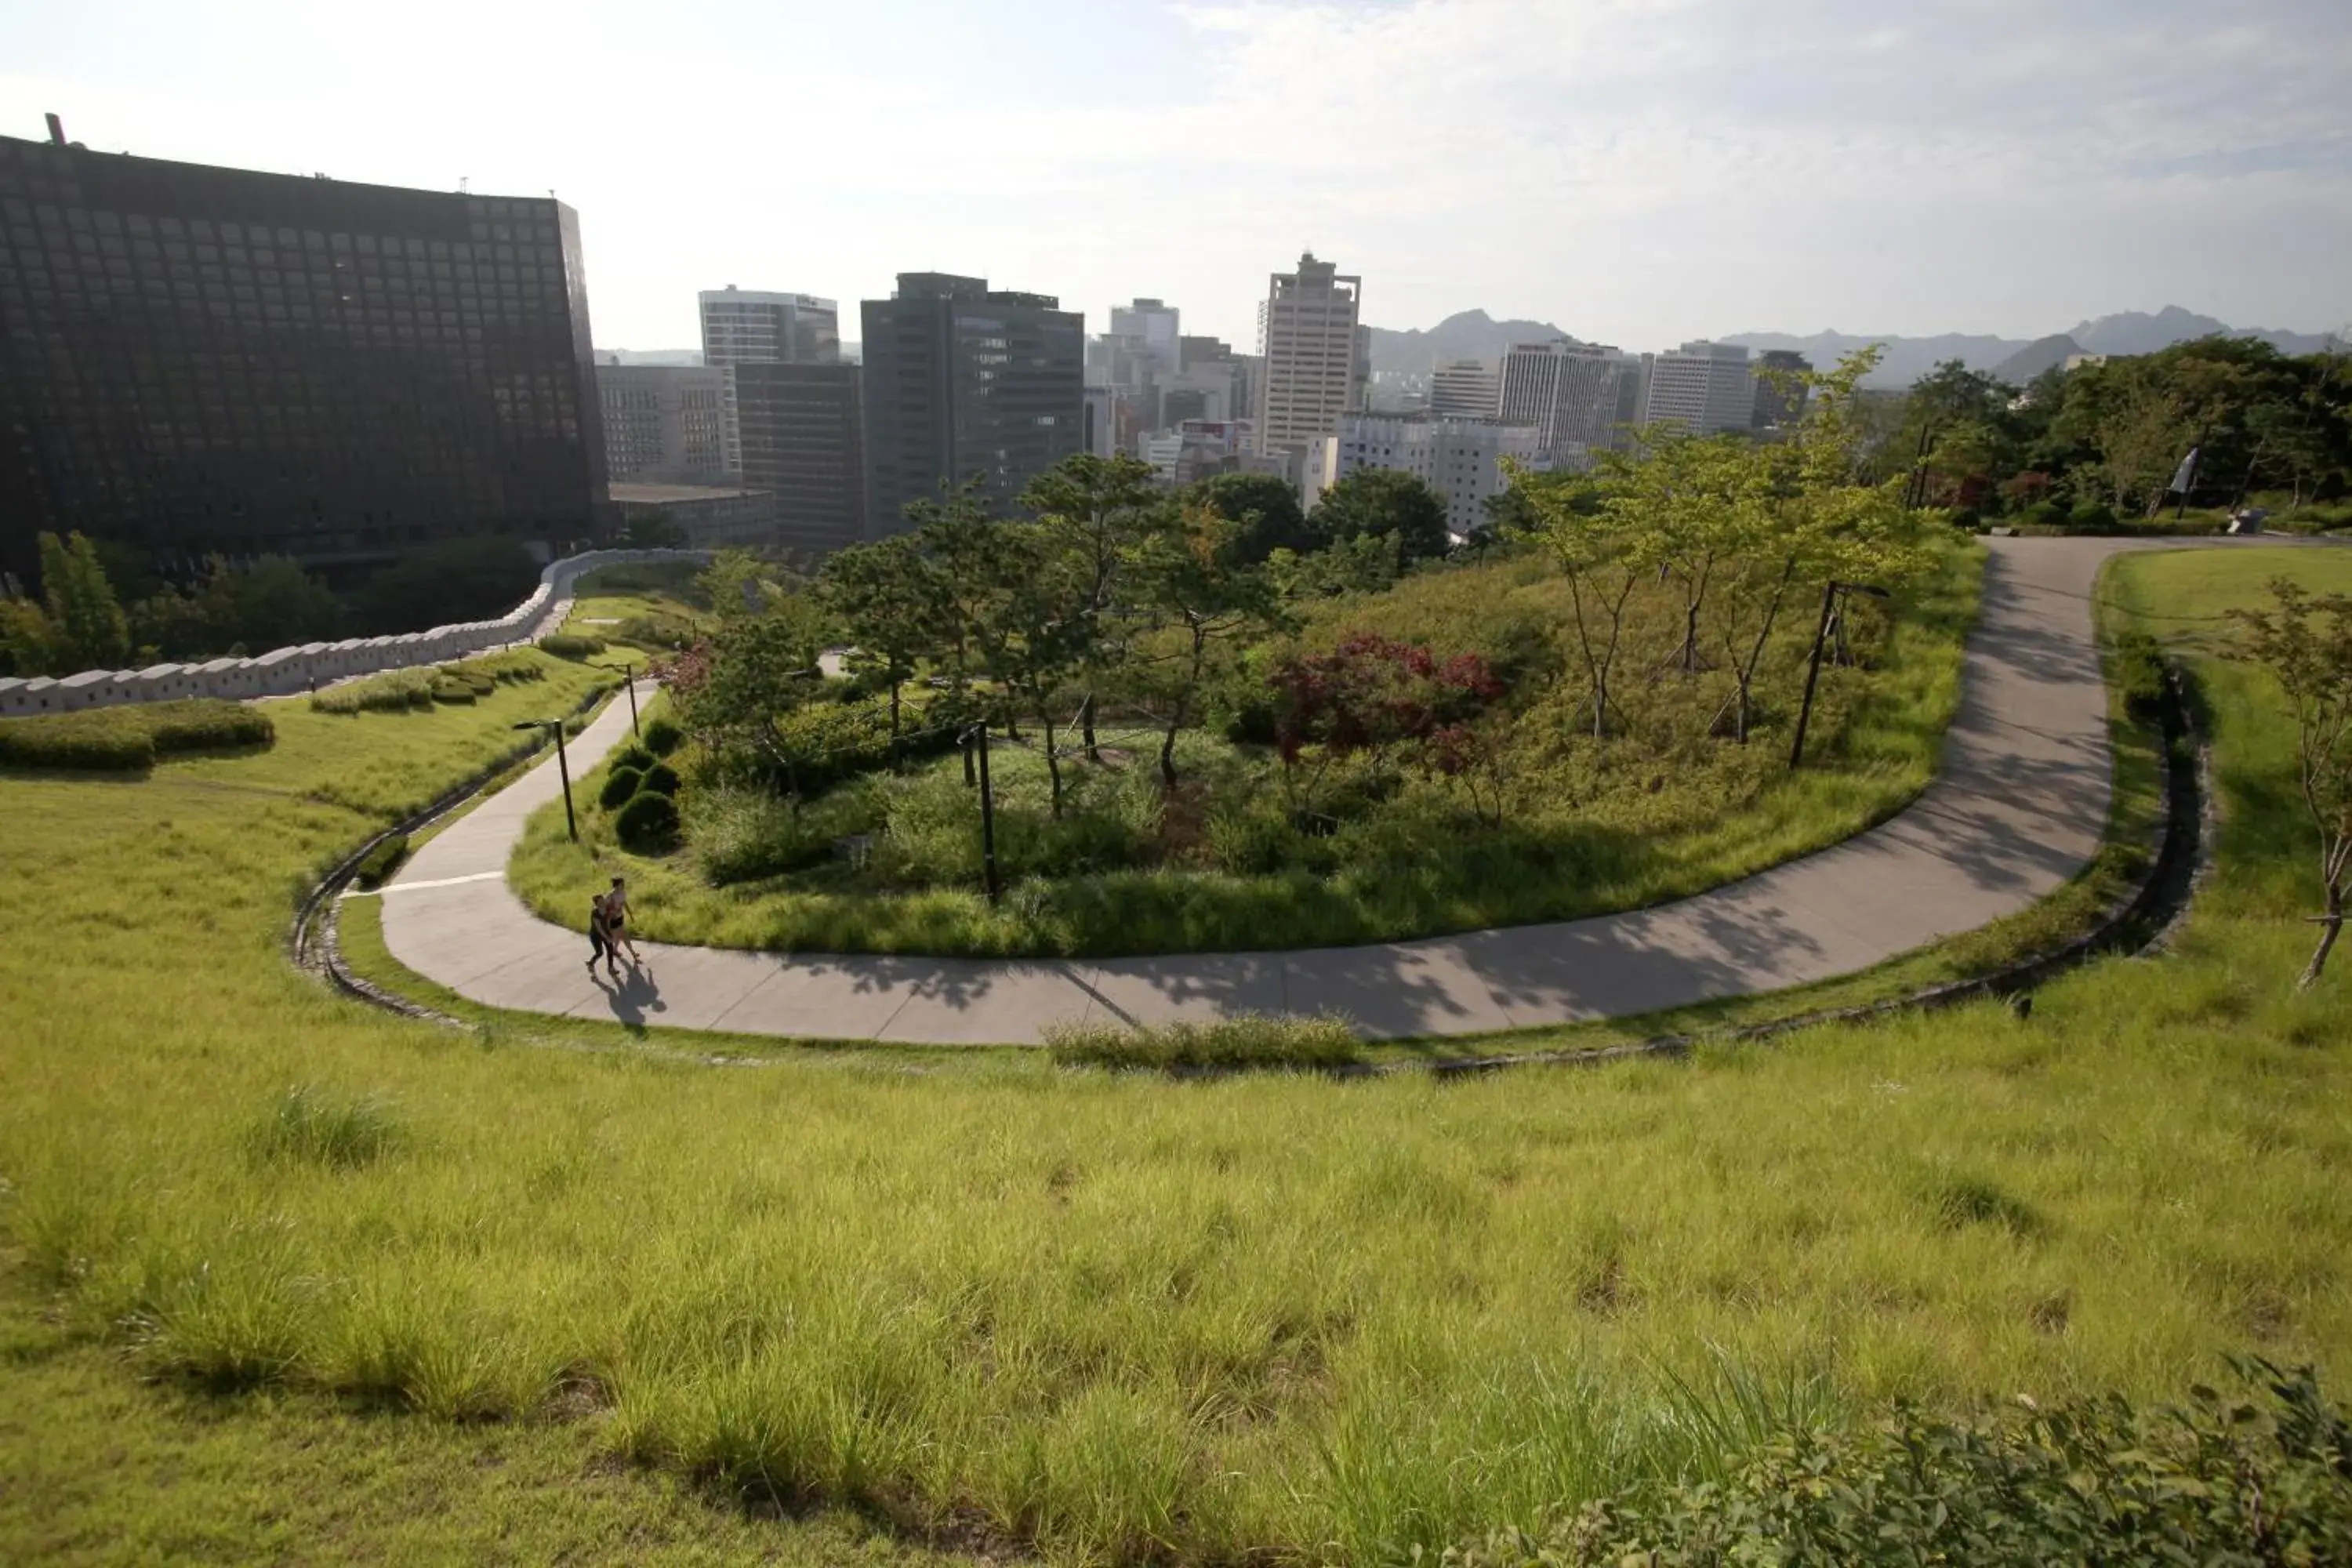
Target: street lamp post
x=1830 y=593
x=629 y=681
x=562 y=768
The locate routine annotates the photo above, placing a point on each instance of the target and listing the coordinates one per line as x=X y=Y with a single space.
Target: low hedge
x=129 y=737
x=619 y=786
x=383 y=860
x=571 y=644
x=1249 y=1041
x=647 y=824
x=2261 y=1479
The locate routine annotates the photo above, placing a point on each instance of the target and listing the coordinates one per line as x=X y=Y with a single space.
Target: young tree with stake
x=2306 y=643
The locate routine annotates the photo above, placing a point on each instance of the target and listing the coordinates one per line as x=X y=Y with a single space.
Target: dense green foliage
x=475 y=579
x=127 y=737
x=421 y=686
x=648 y=822
x=662 y=735
x=572 y=645
x=1250 y=1040
x=76 y=623
x=381 y=861
x=2095 y=449
x=2259 y=1480
x=1374 y=504
x=620 y=784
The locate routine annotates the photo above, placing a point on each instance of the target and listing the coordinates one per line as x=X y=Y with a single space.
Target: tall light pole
x=1830 y=593
x=629 y=681
x=562 y=768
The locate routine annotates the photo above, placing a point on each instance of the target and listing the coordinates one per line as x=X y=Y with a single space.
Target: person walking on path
x=616 y=923
x=600 y=938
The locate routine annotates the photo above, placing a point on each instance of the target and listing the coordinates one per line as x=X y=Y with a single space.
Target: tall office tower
x=747 y=327
x=1574 y=394
x=1465 y=389
x=195 y=359
x=800 y=427
x=1703 y=387
x=1151 y=326
x=1781 y=404
x=668 y=425
x=964 y=383
x=1461 y=459
x=1245 y=371
x=1314 y=375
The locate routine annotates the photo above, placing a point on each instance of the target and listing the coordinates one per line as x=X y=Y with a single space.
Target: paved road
x=2017 y=810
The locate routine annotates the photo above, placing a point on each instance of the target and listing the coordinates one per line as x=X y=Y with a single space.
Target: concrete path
x=2019 y=807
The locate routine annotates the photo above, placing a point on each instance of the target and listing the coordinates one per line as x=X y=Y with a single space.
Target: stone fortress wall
x=286 y=671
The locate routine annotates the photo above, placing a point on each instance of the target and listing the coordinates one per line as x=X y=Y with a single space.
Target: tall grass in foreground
x=1262 y=1316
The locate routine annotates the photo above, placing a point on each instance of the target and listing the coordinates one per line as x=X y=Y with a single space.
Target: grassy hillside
x=1116 y=1316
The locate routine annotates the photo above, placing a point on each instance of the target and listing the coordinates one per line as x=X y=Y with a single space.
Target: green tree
x=1606 y=546
x=455 y=580
x=1265 y=508
x=1195 y=582
x=1099 y=512
x=756 y=670
x=889 y=601
x=653 y=530
x=278 y=604
x=2307 y=645
x=79 y=623
x=738 y=584
x=1385 y=501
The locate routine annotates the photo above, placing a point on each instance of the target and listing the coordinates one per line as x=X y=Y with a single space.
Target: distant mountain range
x=2019 y=360
x=1467 y=335
x=1474 y=334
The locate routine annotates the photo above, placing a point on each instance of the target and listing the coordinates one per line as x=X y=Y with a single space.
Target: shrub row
x=2140 y=674
x=1250 y=1040
x=2262 y=1480
x=381 y=861
x=129 y=738
x=571 y=644
x=391 y=690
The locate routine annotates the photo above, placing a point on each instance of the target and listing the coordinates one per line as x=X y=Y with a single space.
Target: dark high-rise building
x=1777 y=403
x=195 y=360
x=799 y=425
x=964 y=382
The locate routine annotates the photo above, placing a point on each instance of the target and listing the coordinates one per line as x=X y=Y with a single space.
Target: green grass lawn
x=1599 y=829
x=1120 y=1318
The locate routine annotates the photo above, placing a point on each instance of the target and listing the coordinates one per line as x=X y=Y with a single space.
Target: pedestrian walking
x=600 y=938
x=617 y=922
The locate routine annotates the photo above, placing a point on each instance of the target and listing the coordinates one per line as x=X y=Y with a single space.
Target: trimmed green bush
x=1249 y=1041
x=663 y=736
x=2140 y=674
x=386 y=692
x=571 y=644
x=647 y=824
x=632 y=756
x=128 y=738
x=455 y=691
x=619 y=786
x=61 y=744
x=2261 y=1481
x=2094 y=517
x=381 y=861
x=662 y=779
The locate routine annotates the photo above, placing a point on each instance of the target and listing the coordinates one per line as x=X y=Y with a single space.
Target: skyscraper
x=749 y=327
x=197 y=359
x=1465 y=389
x=1151 y=328
x=1307 y=333
x=963 y=382
x=800 y=427
x=666 y=424
x=1574 y=394
x=1702 y=386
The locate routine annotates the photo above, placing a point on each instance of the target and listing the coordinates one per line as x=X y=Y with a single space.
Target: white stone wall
x=284 y=671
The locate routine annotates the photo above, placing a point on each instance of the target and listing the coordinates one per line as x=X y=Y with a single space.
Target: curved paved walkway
x=2018 y=808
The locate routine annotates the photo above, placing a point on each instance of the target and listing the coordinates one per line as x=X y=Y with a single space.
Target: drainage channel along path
x=2017 y=810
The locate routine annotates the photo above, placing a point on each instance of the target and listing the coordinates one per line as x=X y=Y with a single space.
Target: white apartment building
x=1577 y=396
x=668 y=424
x=1461 y=459
x=1466 y=389
x=1153 y=327
x=1706 y=388
x=1316 y=358
x=746 y=326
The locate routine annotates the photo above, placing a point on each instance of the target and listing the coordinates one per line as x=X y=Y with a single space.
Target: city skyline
x=1669 y=172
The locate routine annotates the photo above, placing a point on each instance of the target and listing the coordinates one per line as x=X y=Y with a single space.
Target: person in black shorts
x=600 y=938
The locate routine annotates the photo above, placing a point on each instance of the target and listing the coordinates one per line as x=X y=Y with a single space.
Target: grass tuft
x=308 y=1126
x=1245 y=1041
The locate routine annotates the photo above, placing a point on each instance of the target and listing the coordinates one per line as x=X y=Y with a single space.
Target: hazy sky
x=1638 y=171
